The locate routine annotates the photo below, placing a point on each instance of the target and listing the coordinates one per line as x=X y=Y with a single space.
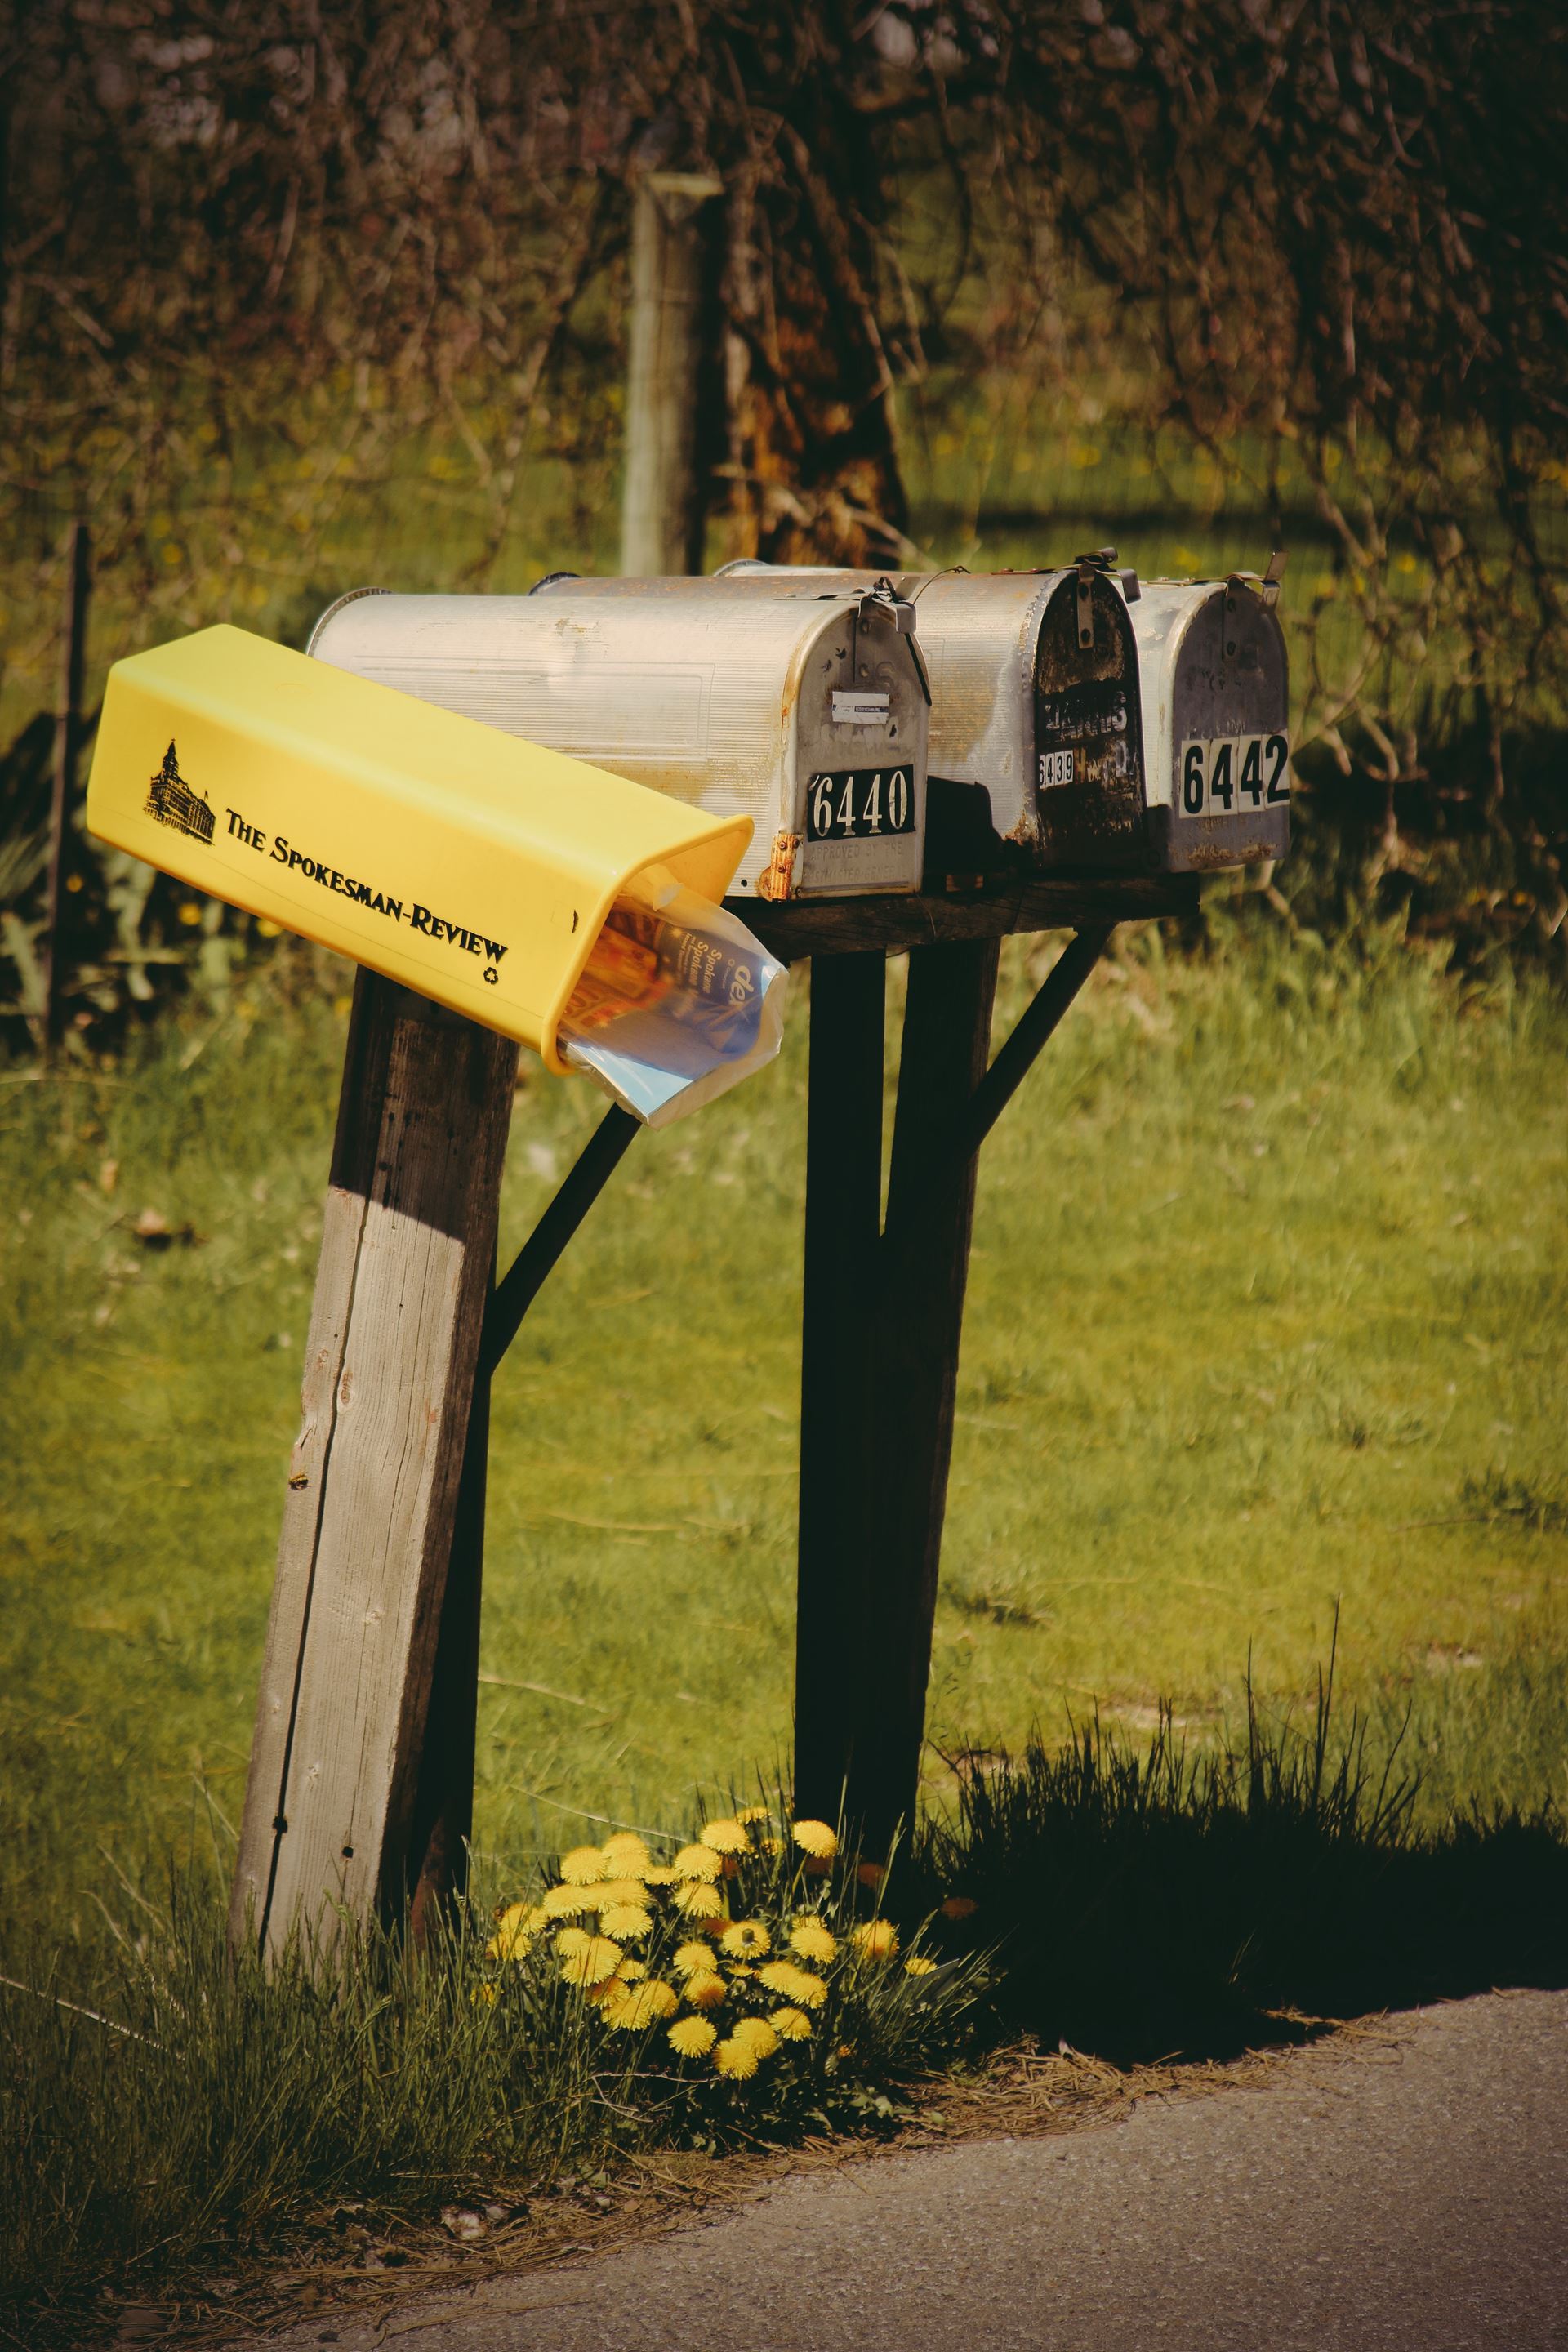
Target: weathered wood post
x=67 y=743
x=375 y=1485
x=662 y=506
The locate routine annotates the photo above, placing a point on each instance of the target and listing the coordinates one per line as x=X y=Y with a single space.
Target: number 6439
x=1231 y=774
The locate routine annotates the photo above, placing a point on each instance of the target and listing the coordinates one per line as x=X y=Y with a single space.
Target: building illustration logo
x=170 y=800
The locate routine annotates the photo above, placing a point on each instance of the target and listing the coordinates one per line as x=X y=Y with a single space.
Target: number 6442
x=1228 y=774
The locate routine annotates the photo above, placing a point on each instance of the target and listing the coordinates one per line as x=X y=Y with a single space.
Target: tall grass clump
x=1146 y=1902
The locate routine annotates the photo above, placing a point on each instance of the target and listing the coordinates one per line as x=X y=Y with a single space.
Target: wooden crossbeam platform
x=835 y=927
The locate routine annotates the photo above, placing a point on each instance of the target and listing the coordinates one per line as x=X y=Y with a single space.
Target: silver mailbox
x=1217 y=707
x=1037 y=738
x=808 y=715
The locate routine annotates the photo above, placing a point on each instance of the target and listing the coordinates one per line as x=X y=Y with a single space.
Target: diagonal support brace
x=525 y=1278
x=1006 y=1074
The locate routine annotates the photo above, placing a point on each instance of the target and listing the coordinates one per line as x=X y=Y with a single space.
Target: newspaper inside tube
x=677 y=1003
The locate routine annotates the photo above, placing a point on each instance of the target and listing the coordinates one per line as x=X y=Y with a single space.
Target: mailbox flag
x=470 y=866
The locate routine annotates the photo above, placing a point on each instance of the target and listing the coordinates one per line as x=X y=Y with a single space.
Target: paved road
x=1411 y=2198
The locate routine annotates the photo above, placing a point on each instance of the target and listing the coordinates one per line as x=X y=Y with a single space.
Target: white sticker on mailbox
x=1232 y=775
x=856 y=710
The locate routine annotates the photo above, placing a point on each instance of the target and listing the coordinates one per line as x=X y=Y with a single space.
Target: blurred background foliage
x=294 y=299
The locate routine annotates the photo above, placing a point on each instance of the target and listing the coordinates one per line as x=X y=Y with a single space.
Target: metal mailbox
x=1217 y=704
x=807 y=714
x=1037 y=738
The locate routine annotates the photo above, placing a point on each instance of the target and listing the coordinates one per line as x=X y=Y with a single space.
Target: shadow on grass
x=1162 y=1903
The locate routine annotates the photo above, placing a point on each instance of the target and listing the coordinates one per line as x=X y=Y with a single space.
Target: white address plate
x=1232 y=775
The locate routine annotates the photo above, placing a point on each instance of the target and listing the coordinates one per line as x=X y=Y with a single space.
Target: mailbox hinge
x=1100 y=561
x=881 y=601
x=1266 y=584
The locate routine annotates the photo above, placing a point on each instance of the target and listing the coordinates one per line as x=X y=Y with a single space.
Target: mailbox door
x=1089 y=808
x=861 y=732
x=1227 y=754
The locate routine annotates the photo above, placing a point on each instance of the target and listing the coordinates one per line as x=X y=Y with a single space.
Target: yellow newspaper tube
x=473 y=867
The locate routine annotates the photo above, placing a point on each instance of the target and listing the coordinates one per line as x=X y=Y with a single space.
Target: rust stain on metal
x=777 y=880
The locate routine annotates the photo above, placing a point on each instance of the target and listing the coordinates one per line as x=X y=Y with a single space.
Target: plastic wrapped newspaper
x=677 y=1003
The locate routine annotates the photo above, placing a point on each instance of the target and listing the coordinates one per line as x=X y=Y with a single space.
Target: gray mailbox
x=808 y=715
x=1036 y=738
x=1217 y=705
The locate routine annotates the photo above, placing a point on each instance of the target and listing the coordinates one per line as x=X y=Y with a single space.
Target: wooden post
x=407 y=1246
x=662 y=505
x=903 y=1451
x=843 y=1215
x=67 y=741
x=436 y=1860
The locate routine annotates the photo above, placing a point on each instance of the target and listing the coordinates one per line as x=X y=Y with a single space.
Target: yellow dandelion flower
x=573 y=1939
x=617 y=1890
x=631 y=1968
x=748 y=1939
x=627 y=1921
x=960 y=1907
x=644 y=2006
x=795 y=1984
x=813 y=1939
x=607 y=1994
x=692 y=2037
x=661 y=1876
x=791 y=2024
x=693 y=1959
x=627 y=1852
x=871 y=1873
x=772 y=1847
x=759 y=2033
x=750 y=1813
x=697 y=1862
x=516 y=1931
x=740 y=1973
x=917 y=1964
x=816 y=1839
x=706 y=1991
x=727 y=1837
x=566 y=1903
x=735 y=2060
x=593 y=1964
x=700 y=1901
x=583 y=1865
x=484 y=1996
x=875 y=1939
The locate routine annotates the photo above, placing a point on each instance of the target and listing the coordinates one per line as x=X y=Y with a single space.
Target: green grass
x=1266 y=1315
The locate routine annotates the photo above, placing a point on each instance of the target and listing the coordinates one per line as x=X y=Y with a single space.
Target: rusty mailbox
x=1037 y=741
x=807 y=714
x=1217 y=704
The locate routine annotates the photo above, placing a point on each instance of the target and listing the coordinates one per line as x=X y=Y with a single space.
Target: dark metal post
x=922 y=1270
x=843 y=1215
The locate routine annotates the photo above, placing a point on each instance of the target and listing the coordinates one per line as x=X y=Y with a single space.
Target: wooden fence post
x=843 y=1216
x=662 y=508
x=67 y=741
x=407 y=1249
